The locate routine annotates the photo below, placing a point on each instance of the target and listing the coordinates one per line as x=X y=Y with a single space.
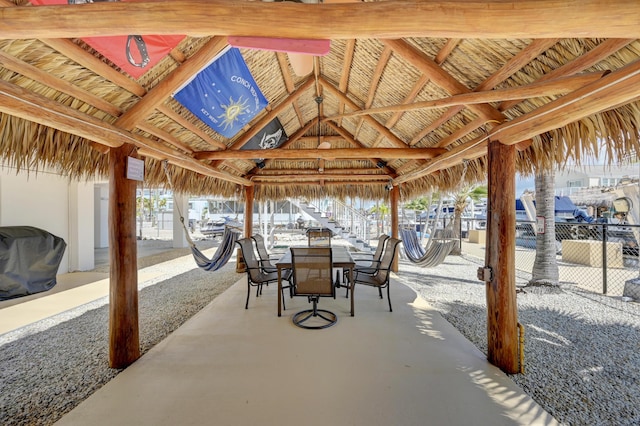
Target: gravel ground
x=582 y=350
x=49 y=367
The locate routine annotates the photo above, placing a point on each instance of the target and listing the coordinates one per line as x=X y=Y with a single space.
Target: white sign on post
x=540 y=222
x=135 y=169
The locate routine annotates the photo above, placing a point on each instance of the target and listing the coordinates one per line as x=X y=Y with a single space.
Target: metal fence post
x=604 y=258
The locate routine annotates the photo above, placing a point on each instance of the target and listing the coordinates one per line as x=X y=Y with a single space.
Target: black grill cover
x=29 y=260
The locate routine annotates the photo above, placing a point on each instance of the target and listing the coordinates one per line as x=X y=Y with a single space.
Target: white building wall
x=101 y=215
x=49 y=202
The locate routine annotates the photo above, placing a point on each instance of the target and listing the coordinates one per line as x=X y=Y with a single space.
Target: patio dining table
x=341 y=258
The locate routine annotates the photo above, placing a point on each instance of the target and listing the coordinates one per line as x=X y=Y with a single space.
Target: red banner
x=134 y=54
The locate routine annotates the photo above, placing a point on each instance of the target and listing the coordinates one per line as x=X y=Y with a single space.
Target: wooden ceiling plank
x=36 y=74
x=410 y=18
x=140 y=111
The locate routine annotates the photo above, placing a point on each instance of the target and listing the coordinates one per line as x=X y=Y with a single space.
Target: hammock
x=222 y=254
x=225 y=249
x=435 y=253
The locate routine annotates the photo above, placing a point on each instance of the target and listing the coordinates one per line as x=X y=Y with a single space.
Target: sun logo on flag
x=232 y=111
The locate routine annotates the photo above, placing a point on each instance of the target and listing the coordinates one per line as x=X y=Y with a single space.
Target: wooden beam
x=87 y=60
x=391 y=137
x=411 y=18
x=502 y=309
x=324 y=181
x=124 y=341
x=590 y=58
x=299 y=177
x=554 y=87
x=166 y=110
x=267 y=172
x=440 y=77
x=47 y=79
x=468 y=151
x=355 y=153
x=93 y=63
x=16 y=101
x=165 y=136
x=612 y=90
x=347 y=60
x=394 y=196
x=511 y=66
x=249 y=194
x=349 y=138
x=141 y=110
x=265 y=120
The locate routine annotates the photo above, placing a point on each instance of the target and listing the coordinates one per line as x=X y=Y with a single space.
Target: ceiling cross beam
x=409 y=18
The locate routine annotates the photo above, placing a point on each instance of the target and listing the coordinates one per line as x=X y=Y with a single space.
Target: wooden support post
x=124 y=346
x=248 y=210
x=502 y=315
x=394 y=195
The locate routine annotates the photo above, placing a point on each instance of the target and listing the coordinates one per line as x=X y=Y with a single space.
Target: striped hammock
x=433 y=255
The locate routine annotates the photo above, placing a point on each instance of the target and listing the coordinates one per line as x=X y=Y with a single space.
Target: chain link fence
x=593 y=256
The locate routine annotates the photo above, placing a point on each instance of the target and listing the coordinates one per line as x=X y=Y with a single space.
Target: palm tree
x=460 y=202
x=381 y=210
x=545 y=266
x=419 y=206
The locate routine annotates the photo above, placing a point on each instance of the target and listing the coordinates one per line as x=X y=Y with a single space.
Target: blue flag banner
x=224 y=95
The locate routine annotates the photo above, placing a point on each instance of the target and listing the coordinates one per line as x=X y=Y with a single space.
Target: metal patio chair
x=312 y=268
x=256 y=275
x=380 y=276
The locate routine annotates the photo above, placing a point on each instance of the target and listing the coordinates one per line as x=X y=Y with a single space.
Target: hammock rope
x=225 y=249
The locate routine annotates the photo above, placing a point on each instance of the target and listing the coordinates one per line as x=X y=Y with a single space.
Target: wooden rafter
x=141 y=110
x=554 y=87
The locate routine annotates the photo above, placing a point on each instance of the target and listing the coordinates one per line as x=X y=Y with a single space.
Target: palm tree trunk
x=545 y=267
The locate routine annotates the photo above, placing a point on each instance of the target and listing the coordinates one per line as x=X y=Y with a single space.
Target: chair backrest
x=312 y=270
x=382 y=239
x=387 y=259
x=250 y=259
x=262 y=249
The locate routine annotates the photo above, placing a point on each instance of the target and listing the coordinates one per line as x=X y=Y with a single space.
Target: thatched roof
x=63 y=104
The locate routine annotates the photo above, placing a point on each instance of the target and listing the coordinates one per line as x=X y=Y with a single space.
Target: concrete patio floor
x=231 y=366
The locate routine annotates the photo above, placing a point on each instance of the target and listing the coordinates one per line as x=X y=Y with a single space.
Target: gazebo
x=381 y=99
